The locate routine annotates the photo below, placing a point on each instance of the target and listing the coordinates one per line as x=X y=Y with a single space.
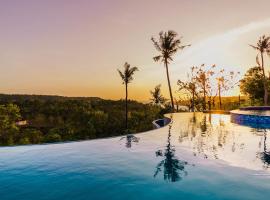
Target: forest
x=35 y=119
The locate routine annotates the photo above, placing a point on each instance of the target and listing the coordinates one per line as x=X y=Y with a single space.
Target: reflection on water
x=265 y=155
x=130 y=139
x=214 y=136
x=226 y=158
x=173 y=169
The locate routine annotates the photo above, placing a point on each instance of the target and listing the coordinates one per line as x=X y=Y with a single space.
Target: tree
x=263 y=46
x=189 y=87
x=167 y=45
x=9 y=115
x=225 y=81
x=127 y=77
x=253 y=84
x=203 y=76
x=157 y=97
x=30 y=136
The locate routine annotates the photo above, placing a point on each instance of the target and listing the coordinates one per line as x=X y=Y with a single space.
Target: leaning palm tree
x=263 y=46
x=127 y=77
x=167 y=45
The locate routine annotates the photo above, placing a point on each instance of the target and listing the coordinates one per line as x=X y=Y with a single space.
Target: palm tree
x=263 y=46
x=167 y=45
x=157 y=97
x=127 y=77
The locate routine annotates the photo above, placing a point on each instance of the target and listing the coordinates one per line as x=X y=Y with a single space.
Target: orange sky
x=73 y=48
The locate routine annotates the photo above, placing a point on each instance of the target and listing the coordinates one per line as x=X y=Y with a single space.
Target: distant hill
x=21 y=97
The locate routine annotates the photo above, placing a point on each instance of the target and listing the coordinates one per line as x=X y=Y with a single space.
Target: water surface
x=197 y=156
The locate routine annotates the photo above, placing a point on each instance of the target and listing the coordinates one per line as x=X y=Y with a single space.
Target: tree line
x=60 y=119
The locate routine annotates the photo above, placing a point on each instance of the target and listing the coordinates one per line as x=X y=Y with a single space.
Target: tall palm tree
x=127 y=77
x=263 y=46
x=167 y=44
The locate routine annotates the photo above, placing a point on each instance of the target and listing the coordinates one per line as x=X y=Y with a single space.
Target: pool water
x=197 y=156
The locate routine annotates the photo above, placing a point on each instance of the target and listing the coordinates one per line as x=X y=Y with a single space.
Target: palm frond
x=254 y=47
x=168 y=44
x=121 y=75
x=127 y=73
x=156 y=44
x=157 y=58
x=184 y=46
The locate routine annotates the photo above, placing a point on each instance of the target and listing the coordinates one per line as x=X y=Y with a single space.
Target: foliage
x=9 y=115
x=127 y=74
x=253 y=84
x=263 y=46
x=156 y=97
x=203 y=79
x=204 y=84
x=65 y=119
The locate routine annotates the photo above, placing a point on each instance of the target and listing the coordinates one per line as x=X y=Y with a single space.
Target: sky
x=74 y=48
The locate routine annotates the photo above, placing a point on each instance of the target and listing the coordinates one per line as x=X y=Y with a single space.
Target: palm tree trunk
x=204 y=95
x=126 y=106
x=264 y=82
x=169 y=84
x=219 y=96
x=209 y=103
x=193 y=99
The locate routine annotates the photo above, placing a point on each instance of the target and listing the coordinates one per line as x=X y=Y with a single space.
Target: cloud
x=216 y=49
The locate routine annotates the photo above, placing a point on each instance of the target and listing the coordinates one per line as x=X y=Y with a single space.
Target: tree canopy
x=252 y=84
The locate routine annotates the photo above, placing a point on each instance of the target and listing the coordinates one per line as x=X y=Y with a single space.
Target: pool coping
x=247 y=112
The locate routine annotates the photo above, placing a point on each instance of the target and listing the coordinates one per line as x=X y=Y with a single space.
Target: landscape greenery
x=55 y=118
x=35 y=119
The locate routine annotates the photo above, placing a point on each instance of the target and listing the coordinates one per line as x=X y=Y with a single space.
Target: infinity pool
x=197 y=156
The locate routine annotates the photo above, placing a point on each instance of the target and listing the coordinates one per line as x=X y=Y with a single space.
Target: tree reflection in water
x=205 y=137
x=212 y=137
x=173 y=169
x=130 y=139
x=265 y=155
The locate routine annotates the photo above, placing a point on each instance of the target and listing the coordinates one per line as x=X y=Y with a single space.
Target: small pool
x=253 y=116
x=197 y=156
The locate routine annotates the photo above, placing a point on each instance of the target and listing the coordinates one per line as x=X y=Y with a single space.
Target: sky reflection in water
x=197 y=156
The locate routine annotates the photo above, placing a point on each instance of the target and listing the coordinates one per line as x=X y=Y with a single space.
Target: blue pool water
x=198 y=156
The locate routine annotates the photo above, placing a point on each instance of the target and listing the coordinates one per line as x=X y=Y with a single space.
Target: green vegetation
x=263 y=46
x=252 y=85
x=156 y=96
x=56 y=119
x=256 y=84
x=9 y=114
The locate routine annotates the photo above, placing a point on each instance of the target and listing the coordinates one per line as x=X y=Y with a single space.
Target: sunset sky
x=73 y=47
